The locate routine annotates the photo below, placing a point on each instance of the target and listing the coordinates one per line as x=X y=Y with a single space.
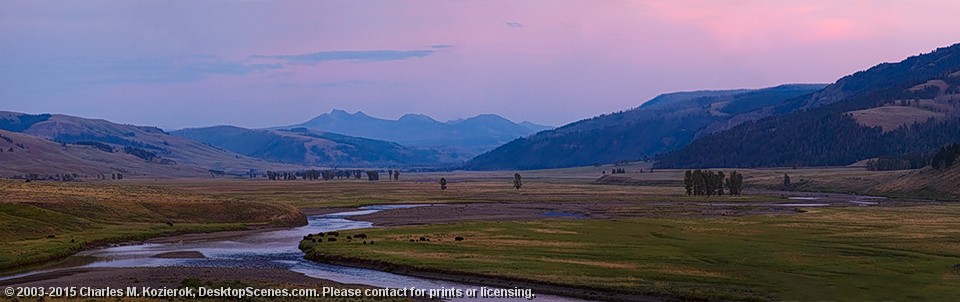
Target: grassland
x=80 y=215
x=904 y=253
x=43 y=221
x=463 y=188
x=658 y=243
x=890 y=117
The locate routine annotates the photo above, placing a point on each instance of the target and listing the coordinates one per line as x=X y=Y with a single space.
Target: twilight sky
x=262 y=63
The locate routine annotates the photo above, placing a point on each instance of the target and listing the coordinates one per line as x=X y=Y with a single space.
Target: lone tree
x=443 y=184
x=517 y=183
x=719 y=181
x=786 y=182
x=396 y=175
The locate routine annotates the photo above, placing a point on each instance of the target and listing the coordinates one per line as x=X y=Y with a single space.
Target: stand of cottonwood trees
x=709 y=183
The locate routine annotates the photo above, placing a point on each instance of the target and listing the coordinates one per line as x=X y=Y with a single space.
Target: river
x=273 y=249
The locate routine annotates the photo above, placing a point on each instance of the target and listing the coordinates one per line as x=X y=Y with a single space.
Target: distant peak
x=489 y=115
x=344 y=113
x=414 y=116
x=490 y=118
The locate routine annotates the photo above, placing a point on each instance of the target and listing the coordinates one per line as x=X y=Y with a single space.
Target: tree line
x=946 y=157
x=890 y=163
x=710 y=183
x=55 y=177
x=314 y=174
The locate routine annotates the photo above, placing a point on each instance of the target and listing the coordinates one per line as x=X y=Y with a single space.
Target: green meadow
x=893 y=253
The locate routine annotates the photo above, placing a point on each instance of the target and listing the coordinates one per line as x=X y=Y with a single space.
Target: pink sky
x=198 y=63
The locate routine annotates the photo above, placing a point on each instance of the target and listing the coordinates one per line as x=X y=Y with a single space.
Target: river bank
x=45 y=222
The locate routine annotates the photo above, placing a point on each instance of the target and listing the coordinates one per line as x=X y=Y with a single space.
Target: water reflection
x=272 y=249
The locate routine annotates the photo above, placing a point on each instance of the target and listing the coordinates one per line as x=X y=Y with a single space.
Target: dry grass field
x=461 y=189
x=41 y=221
x=890 y=117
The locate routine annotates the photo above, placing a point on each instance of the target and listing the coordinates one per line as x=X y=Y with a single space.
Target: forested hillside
x=664 y=123
x=861 y=116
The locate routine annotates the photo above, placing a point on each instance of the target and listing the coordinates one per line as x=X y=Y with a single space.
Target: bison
x=458 y=238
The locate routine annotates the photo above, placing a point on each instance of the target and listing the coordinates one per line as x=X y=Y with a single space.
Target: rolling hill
x=925 y=182
x=910 y=107
x=468 y=137
x=54 y=143
x=309 y=147
x=22 y=155
x=664 y=123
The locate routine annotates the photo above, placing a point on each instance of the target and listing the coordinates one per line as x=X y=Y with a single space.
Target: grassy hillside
x=22 y=154
x=152 y=145
x=40 y=221
x=925 y=182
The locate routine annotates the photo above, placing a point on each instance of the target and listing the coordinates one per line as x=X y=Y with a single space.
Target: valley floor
x=903 y=252
x=562 y=232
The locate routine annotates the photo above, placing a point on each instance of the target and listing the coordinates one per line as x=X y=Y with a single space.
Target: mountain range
x=46 y=144
x=464 y=137
x=314 y=148
x=905 y=109
x=49 y=144
x=664 y=123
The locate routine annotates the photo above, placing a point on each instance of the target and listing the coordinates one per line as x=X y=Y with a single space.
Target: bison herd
x=425 y=239
x=333 y=235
